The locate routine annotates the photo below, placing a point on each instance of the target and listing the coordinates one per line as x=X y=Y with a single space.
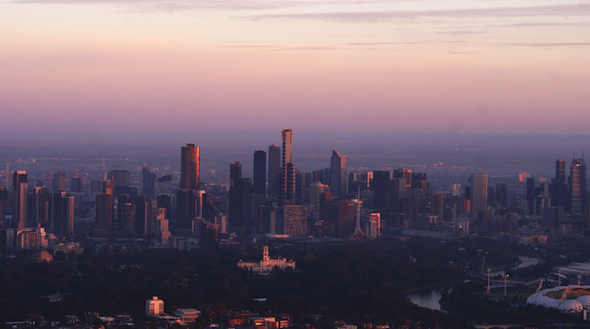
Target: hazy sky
x=473 y=66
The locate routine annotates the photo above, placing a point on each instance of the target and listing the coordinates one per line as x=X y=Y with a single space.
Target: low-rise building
x=267 y=263
x=187 y=315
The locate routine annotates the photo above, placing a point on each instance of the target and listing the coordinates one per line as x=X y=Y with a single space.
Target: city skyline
x=163 y=66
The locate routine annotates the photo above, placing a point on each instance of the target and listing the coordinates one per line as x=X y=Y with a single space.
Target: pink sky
x=400 y=66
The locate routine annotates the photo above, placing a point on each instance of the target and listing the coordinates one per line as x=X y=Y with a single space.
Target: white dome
x=584 y=300
x=567 y=306
x=570 y=306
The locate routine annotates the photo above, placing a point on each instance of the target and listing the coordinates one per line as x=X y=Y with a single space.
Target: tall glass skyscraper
x=19 y=208
x=274 y=170
x=189 y=167
x=339 y=175
x=578 y=186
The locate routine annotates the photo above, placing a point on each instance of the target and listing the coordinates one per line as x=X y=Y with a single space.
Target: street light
x=505 y=276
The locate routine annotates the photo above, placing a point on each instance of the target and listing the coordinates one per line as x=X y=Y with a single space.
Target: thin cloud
x=250 y=46
x=310 y=48
x=377 y=16
x=461 y=32
x=379 y=43
x=550 y=44
x=211 y=5
x=454 y=52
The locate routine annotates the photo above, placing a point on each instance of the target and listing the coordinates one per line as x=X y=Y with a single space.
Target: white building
x=266 y=265
x=154 y=306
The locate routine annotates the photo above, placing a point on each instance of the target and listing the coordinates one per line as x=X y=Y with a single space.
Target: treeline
x=356 y=282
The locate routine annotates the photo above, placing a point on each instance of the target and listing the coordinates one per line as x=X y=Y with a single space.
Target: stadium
x=567 y=299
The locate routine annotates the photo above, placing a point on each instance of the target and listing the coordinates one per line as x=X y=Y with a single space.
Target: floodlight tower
x=489 y=270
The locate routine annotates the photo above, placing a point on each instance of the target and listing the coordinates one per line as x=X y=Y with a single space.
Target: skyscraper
x=189 y=167
x=578 y=186
x=186 y=208
x=148 y=180
x=235 y=173
x=558 y=186
x=339 y=179
x=479 y=193
x=3 y=198
x=530 y=195
x=294 y=220
x=104 y=211
x=240 y=203
x=76 y=185
x=120 y=177
x=259 y=173
x=274 y=169
x=59 y=182
x=287 y=146
x=560 y=171
x=288 y=179
x=19 y=208
x=142 y=207
x=62 y=212
x=380 y=186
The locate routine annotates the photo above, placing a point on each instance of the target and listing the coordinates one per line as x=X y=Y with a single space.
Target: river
x=430 y=298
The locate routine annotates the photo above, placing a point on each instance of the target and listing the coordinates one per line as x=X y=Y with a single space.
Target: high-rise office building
x=37 y=206
x=407 y=174
x=259 y=173
x=346 y=219
x=62 y=212
x=380 y=186
x=186 y=207
x=104 y=212
x=3 y=198
x=287 y=146
x=189 y=167
x=76 y=185
x=122 y=200
x=316 y=189
x=266 y=220
x=295 y=220
x=142 y=209
x=19 y=204
x=274 y=170
x=578 y=186
x=121 y=178
x=478 y=193
x=288 y=168
x=127 y=220
x=289 y=190
x=397 y=193
x=59 y=182
x=530 y=195
x=560 y=171
x=420 y=181
x=235 y=173
x=240 y=203
x=148 y=180
x=558 y=186
x=339 y=179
